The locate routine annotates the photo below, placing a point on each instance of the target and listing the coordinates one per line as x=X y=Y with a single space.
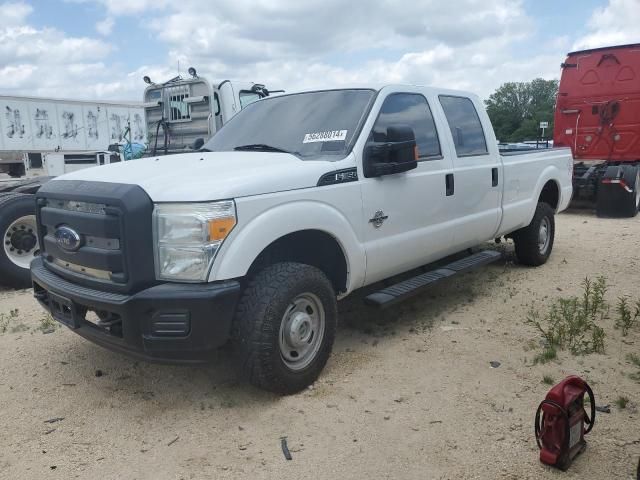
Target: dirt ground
x=407 y=394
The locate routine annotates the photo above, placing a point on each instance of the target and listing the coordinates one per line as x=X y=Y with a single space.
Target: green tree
x=517 y=108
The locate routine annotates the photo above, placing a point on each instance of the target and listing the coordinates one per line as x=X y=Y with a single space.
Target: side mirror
x=398 y=154
x=197 y=145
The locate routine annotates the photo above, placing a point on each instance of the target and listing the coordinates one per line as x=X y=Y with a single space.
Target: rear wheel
x=19 y=239
x=621 y=198
x=285 y=327
x=635 y=205
x=535 y=242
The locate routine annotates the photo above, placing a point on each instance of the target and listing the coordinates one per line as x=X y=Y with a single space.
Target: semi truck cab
x=183 y=111
x=597 y=116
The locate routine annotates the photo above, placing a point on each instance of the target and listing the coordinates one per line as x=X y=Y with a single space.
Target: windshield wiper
x=260 y=147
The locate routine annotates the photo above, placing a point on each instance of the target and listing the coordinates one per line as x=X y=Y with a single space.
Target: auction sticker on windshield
x=330 y=136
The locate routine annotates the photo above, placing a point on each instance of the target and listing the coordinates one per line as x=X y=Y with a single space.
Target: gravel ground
x=407 y=394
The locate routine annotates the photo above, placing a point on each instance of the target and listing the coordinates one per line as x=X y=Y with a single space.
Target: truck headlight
x=187 y=237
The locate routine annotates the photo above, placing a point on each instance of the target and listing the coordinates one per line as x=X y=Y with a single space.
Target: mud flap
x=617 y=192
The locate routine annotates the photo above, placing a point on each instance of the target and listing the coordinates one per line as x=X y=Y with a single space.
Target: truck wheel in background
x=613 y=199
x=285 y=326
x=535 y=241
x=19 y=239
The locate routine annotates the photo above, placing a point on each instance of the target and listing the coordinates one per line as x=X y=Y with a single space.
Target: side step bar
x=413 y=286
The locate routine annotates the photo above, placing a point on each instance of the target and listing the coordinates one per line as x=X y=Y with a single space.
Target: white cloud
x=126 y=7
x=443 y=66
x=300 y=45
x=245 y=30
x=614 y=24
x=47 y=47
x=469 y=44
x=284 y=43
x=46 y=61
x=13 y=13
x=105 y=27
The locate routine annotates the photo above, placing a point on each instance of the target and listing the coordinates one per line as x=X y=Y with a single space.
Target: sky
x=101 y=49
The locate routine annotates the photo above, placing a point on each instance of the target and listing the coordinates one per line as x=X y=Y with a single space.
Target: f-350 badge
x=378 y=219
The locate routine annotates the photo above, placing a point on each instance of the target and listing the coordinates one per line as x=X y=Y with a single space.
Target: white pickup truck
x=295 y=203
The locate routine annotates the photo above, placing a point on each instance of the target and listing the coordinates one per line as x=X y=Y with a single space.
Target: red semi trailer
x=598 y=116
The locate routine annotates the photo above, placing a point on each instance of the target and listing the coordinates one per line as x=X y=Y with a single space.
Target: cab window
x=464 y=123
x=413 y=110
x=247 y=97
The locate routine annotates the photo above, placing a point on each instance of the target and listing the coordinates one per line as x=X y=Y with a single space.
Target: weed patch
x=548 y=380
x=20 y=327
x=549 y=353
x=622 y=402
x=573 y=323
x=47 y=324
x=6 y=319
x=627 y=319
x=635 y=360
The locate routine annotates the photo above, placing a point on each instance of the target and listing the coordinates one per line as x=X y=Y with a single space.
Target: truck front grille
x=99 y=229
x=97 y=234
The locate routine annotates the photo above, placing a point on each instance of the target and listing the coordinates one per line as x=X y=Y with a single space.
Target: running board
x=413 y=286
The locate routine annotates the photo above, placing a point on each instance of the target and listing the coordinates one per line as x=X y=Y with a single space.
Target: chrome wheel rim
x=301 y=331
x=21 y=241
x=544 y=235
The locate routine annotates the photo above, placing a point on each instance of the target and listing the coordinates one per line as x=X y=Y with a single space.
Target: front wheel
x=19 y=239
x=535 y=241
x=285 y=327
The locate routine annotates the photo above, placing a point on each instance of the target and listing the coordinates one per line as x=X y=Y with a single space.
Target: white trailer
x=31 y=127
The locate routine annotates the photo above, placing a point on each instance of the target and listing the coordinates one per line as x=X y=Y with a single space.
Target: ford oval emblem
x=68 y=239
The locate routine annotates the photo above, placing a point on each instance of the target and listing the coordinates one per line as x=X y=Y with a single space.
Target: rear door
x=405 y=213
x=477 y=172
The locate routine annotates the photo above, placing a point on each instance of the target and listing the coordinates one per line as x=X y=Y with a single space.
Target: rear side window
x=466 y=129
x=413 y=110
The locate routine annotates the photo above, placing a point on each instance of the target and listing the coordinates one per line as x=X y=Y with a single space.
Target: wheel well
x=311 y=247
x=550 y=194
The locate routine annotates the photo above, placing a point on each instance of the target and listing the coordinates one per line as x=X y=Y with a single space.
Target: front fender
x=245 y=244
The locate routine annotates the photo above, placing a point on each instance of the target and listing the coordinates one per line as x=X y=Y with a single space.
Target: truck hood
x=206 y=176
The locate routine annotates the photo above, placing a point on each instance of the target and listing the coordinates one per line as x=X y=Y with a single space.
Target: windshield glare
x=306 y=124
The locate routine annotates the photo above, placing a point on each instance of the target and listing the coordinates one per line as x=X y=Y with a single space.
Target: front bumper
x=174 y=323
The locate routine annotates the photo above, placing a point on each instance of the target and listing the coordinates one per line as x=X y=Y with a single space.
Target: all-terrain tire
x=13 y=207
x=261 y=317
x=530 y=250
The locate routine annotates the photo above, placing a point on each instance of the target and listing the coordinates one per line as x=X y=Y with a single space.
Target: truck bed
x=522 y=174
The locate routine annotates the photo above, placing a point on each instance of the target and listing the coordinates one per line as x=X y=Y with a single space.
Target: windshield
x=306 y=124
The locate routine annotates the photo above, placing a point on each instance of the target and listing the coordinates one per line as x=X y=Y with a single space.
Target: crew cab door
x=477 y=172
x=404 y=214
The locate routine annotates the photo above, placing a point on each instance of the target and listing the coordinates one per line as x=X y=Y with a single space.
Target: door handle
x=449 y=184
x=494 y=177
